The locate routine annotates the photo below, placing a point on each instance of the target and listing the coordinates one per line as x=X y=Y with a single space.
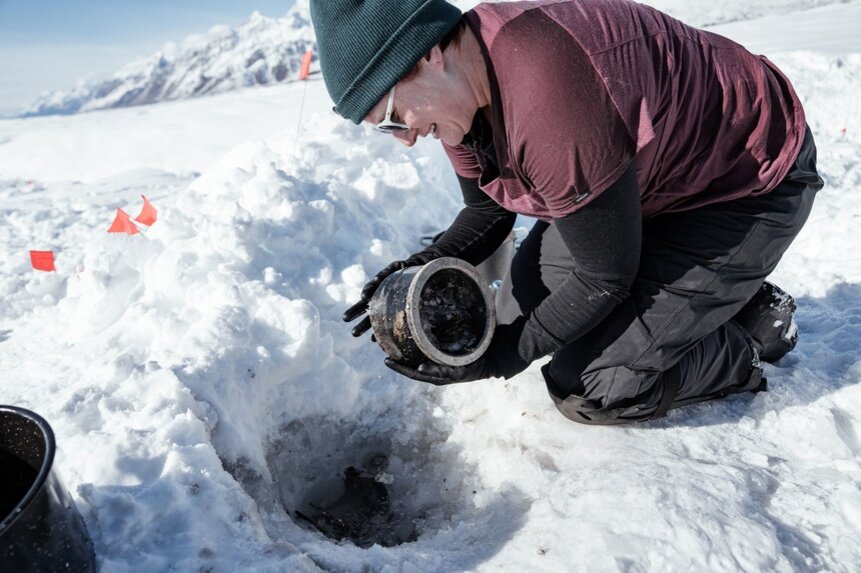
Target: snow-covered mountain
x=260 y=51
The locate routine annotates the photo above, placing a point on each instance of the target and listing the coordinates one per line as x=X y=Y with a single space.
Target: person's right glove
x=372 y=285
x=502 y=359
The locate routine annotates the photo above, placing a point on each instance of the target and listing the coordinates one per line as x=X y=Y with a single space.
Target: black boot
x=768 y=318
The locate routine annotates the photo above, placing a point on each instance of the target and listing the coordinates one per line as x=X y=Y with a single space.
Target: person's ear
x=435 y=57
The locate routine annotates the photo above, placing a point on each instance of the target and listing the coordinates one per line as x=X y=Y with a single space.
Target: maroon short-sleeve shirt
x=580 y=88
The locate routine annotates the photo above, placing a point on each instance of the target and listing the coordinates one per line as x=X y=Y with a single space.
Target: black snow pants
x=672 y=342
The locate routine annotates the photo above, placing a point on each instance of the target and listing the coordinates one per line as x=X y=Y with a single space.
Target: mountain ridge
x=261 y=51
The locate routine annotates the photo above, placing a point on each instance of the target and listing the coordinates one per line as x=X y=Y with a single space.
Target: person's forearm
x=604 y=239
x=477 y=231
x=473 y=236
x=574 y=309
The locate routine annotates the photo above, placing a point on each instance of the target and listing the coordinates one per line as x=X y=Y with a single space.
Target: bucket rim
x=44 y=471
x=414 y=319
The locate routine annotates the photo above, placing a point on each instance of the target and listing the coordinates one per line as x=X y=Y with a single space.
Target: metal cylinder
x=441 y=312
x=40 y=527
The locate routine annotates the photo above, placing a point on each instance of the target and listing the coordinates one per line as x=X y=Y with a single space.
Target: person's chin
x=452 y=139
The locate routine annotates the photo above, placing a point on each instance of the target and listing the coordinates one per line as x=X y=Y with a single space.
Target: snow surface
x=200 y=381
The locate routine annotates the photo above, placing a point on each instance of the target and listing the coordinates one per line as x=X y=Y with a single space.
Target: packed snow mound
x=259 y=52
x=217 y=333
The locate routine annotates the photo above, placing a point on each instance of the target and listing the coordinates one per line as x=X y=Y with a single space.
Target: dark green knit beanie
x=366 y=47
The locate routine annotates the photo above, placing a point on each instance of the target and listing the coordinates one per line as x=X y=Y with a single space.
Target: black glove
x=372 y=285
x=501 y=359
x=368 y=291
x=441 y=375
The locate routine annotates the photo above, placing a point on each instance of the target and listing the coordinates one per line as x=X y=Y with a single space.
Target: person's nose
x=408 y=136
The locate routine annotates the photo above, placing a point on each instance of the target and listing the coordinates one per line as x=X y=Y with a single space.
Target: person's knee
x=611 y=395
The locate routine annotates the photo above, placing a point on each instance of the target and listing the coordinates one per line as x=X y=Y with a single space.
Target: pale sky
x=49 y=44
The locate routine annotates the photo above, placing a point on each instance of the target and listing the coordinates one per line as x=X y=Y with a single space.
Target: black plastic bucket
x=441 y=312
x=40 y=527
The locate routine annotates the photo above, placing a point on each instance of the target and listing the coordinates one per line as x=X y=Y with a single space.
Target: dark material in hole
x=362 y=514
x=452 y=312
x=16 y=479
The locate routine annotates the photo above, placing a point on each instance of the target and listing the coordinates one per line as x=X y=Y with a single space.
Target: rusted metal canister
x=441 y=312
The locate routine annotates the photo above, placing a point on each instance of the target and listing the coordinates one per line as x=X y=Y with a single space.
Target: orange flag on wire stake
x=42 y=260
x=123 y=224
x=305 y=69
x=148 y=213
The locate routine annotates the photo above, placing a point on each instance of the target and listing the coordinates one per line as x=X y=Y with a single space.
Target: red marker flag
x=42 y=260
x=148 y=213
x=123 y=224
x=305 y=69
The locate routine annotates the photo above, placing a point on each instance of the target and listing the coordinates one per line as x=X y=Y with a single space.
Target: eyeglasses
x=387 y=125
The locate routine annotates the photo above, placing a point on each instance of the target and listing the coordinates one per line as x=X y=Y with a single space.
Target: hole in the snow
x=357 y=507
x=356 y=484
x=396 y=481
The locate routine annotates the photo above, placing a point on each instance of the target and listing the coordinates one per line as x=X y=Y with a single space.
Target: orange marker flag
x=42 y=260
x=148 y=213
x=122 y=224
x=305 y=69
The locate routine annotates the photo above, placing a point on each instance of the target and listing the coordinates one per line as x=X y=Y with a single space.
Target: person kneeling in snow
x=669 y=169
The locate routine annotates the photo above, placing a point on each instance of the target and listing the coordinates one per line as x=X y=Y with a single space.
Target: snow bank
x=213 y=342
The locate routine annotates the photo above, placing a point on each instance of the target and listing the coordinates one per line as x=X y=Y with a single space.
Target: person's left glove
x=370 y=287
x=368 y=290
x=501 y=359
